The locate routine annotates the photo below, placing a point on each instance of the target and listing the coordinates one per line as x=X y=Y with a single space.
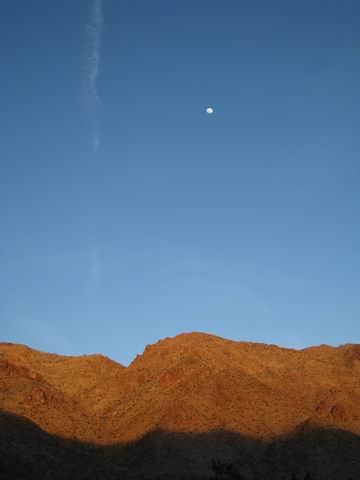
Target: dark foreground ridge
x=29 y=453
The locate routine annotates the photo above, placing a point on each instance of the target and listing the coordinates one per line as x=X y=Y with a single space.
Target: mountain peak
x=193 y=383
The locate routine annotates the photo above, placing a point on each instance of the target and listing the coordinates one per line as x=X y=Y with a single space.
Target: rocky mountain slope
x=186 y=403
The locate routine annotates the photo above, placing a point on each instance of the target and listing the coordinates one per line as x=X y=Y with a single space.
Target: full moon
x=209 y=110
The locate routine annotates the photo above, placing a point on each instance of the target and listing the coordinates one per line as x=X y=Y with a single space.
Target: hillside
x=188 y=400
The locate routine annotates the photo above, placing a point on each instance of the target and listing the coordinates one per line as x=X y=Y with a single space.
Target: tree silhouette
x=225 y=469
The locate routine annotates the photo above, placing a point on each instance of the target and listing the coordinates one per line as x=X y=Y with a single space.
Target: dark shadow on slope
x=29 y=453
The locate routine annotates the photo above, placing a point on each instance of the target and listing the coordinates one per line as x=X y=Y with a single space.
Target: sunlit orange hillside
x=182 y=404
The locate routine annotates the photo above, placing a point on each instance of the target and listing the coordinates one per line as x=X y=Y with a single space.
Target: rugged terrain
x=193 y=406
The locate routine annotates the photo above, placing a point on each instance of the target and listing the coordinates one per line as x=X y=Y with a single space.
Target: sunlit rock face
x=191 y=388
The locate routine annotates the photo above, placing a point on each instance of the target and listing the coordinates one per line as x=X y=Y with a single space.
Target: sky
x=128 y=214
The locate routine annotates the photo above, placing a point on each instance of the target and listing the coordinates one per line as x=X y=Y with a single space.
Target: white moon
x=209 y=110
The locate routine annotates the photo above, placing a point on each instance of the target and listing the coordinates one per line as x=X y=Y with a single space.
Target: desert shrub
x=225 y=470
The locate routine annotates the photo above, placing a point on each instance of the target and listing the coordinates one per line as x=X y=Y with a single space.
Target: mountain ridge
x=191 y=384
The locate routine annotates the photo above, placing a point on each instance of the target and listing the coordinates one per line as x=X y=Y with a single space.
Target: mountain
x=193 y=406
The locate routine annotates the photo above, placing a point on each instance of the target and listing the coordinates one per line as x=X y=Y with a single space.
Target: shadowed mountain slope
x=193 y=387
x=29 y=453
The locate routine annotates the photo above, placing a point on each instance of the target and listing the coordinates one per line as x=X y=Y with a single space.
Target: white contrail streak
x=92 y=99
x=95 y=267
x=92 y=102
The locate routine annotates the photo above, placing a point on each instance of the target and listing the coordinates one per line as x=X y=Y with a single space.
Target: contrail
x=93 y=102
x=95 y=266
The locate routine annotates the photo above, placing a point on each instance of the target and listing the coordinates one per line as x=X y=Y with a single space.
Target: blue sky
x=128 y=214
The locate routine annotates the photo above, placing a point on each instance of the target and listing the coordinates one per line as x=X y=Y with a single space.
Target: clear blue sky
x=128 y=214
